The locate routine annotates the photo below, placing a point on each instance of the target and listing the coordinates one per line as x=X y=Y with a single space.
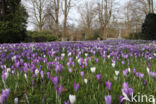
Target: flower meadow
x=92 y=72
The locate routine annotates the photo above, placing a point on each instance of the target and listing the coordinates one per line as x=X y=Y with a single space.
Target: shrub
x=93 y=36
x=149 y=27
x=135 y=36
x=11 y=32
x=35 y=36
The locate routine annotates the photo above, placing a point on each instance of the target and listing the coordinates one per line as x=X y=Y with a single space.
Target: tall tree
x=104 y=9
x=52 y=14
x=3 y=9
x=66 y=9
x=87 y=16
x=37 y=12
x=13 y=27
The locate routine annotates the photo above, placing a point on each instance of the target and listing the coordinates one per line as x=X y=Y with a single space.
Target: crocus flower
x=116 y=73
x=85 y=81
x=93 y=69
x=134 y=71
x=126 y=89
x=108 y=85
x=4 y=95
x=76 y=86
x=55 y=80
x=152 y=74
x=5 y=76
x=42 y=74
x=16 y=101
x=148 y=70
x=123 y=62
x=121 y=99
x=137 y=74
x=70 y=70
x=58 y=68
x=145 y=82
x=98 y=76
x=82 y=73
x=141 y=75
x=125 y=72
x=72 y=99
x=108 y=99
x=36 y=72
x=59 y=89
x=129 y=69
x=113 y=64
x=48 y=74
x=97 y=60
x=66 y=102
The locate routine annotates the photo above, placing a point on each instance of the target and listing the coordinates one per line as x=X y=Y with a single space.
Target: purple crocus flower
x=152 y=74
x=97 y=60
x=126 y=89
x=125 y=72
x=59 y=89
x=66 y=102
x=121 y=99
x=76 y=86
x=98 y=76
x=134 y=70
x=149 y=65
x=82 y=73
x=108 y=85
x=55 y=80
x=58 y=68
x=137 y=74
x=25 y=67
x=145 y=82
x=123 y=62
x=42 y=74
x=108 y=99
x=70 y=70
x=141 y=75
x=48 y=74
x=4 y=96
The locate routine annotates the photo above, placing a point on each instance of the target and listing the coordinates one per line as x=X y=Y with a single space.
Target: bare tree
x=66 y=8
x=104 y=10
x=52 y=15
x=87 y=16
x=36 y=10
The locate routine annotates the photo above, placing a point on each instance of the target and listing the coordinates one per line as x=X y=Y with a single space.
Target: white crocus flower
x=108 y=56
x=25 y=75
x=8 y=70
x=93 y=69
x=36 y=72
x=148 y=70
x=69 y=54
x=113 y=64
x=129 y=70
x=116 y=73
x=16 y=101
x=115 y=77
x=72 y=99
x=85 y=81
x=6 y=75
x=63 y=54
x=86 y=54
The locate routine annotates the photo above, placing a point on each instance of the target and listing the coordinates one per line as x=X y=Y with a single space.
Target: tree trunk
x=3 y=10
x=57 y=5
x=65 y=21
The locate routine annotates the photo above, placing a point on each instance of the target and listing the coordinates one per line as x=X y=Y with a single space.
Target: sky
x=73 y=15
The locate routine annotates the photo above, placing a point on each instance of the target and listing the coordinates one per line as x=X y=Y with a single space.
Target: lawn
x=92 y=72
